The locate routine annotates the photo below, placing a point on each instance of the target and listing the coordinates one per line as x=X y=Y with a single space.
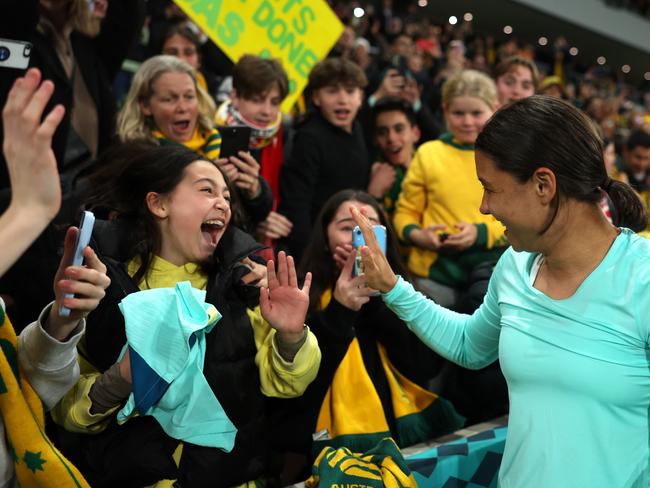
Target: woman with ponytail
x=566 y=310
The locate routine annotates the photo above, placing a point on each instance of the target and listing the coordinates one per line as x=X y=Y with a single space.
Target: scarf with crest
x=208 y=145
x=37 y=462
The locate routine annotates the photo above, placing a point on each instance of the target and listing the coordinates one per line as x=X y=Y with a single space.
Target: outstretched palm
x=283 y=304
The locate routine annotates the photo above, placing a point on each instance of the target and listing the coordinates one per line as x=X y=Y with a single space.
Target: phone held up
x=14 y=54
x=358 y=241
x=234 y=138
x=83 y=238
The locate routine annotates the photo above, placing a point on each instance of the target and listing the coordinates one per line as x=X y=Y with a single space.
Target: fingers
x=307 y=283
x=21 y=91
x=69 y=245
x=283 y=273
x=349 y=264
x=271 y=278
x=92 y=260
x=291 y=269
x=246 y=163
x=366 y=228
x=49 y=125
x=36 y=105
x=265 y=301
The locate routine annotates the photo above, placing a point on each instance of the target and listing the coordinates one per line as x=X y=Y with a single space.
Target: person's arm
x=288 y=356
x=36 y=191
x=469 y=340
x=285 y=370
x=50 y=365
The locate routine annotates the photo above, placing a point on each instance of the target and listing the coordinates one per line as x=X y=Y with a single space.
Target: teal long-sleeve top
x=578 y=369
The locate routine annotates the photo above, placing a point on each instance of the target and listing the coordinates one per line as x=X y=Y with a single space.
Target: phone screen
x=234 y=138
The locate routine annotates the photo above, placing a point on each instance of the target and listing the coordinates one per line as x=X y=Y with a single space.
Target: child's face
x=339 y=230
x=515 y=84
x=173 y=106
x=396 y=137
x=466 y=117
x=262 y=109
x=193 y=216
x=339 y=104
x=183 y=48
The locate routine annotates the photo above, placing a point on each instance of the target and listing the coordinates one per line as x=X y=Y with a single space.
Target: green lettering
x=276 y=35
x=208 y=9
x=294 y=48
x=301 y=27
x=306 y=63
x=265 y=8
x=289 y=4
x=232 y=26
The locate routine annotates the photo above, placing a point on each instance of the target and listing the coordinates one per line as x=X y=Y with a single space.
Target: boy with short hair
x=259 y=87
x=395 y=133
x=636 y=160
x=329 y=152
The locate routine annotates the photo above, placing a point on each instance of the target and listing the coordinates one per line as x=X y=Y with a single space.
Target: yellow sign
x=298 y=32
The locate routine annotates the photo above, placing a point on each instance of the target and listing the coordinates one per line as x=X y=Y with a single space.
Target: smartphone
x=14 y=54
x=83 y=238
x=234 y=138
x=358 y=241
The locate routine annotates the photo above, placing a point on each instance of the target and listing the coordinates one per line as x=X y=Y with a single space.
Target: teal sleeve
x=469 y=340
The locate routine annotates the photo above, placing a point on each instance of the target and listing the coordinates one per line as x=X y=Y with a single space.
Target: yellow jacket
x=441 y=187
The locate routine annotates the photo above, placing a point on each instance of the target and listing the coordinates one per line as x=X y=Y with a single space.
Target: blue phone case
x=85 y=231
x=358 y=241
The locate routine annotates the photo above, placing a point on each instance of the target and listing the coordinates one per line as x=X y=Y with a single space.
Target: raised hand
x=377 y=272
x=283 y=304
x=87 y=283
x=27 y=145
x=352 y=291
x=33 y=173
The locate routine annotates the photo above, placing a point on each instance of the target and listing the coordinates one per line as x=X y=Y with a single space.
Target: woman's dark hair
x=317 y=257
x=127 y=173
x=542 y=131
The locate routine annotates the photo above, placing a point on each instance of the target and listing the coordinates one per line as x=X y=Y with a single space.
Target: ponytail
x=629 y=210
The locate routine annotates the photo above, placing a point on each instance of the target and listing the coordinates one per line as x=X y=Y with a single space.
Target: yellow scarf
x=352 y=414
x=37 y=462
x=208 y=145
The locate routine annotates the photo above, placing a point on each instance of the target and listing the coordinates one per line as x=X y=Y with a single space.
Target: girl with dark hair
x=370 y=384
x=567 y=306
x=172 y=214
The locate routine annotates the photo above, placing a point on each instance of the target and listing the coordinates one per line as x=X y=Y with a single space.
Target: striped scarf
x=37 y=462
x=208 y=145
x=261 y=137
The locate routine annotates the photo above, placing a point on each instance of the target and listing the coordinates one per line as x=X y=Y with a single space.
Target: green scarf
x=208 y=145
x=37 y=462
